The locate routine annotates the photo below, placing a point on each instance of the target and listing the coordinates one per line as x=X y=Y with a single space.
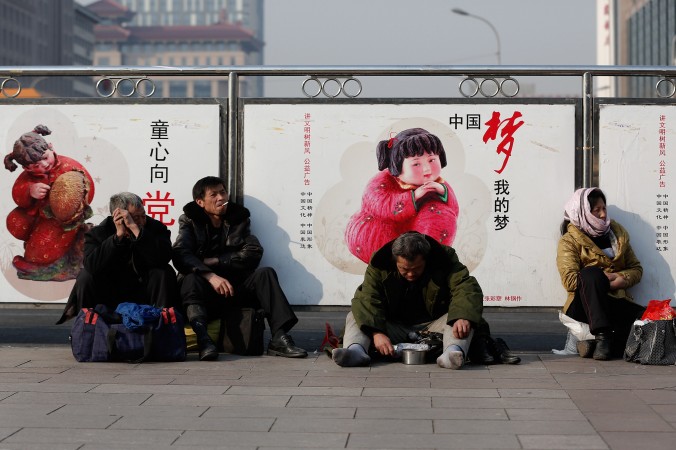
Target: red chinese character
x=157 y=207
x=509 y=128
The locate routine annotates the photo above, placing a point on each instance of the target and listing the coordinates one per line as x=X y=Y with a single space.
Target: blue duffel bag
x=98 y=335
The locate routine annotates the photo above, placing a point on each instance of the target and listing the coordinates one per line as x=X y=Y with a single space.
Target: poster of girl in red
x=53 y=196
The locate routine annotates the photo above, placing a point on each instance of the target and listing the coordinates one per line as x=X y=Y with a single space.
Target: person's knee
x=593 y=274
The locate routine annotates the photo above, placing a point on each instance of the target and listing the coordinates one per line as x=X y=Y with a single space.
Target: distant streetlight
x=462 y=12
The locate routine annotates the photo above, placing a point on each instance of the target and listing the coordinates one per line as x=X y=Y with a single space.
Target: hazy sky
x=426 y=32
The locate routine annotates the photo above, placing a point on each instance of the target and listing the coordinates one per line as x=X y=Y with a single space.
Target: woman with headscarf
x=597 y=265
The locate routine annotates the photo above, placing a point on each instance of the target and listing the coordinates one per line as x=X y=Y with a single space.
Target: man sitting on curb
x=217 y=259
x=126 y=259
x=412 y=283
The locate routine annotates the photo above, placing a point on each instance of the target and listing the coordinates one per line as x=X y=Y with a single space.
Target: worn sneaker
x=586 y=348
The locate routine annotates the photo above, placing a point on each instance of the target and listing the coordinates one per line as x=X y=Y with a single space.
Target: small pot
x=410 y=356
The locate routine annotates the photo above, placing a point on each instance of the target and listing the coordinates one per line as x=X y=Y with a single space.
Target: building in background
x=47 y=33
x=635 y=33
x=182 y=33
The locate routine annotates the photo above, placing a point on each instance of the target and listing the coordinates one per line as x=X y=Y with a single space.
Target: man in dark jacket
x=413 y=283
x=217 y=259
x=126 y=259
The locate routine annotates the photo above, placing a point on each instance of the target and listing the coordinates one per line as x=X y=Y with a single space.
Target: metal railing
x=488 y=81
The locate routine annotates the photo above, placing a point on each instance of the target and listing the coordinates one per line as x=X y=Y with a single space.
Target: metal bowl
x=411 y=356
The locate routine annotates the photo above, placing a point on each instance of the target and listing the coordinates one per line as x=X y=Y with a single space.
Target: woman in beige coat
x=597 y=265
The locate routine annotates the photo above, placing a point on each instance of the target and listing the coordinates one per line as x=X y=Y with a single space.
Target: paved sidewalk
x=49 y=401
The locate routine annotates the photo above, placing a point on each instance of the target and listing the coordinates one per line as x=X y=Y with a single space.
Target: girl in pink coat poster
x=407 y=194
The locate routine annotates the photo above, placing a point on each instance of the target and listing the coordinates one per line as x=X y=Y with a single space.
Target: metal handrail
x=430 y=70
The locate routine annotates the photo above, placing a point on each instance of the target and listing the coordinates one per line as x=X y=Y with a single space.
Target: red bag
x=659 y=310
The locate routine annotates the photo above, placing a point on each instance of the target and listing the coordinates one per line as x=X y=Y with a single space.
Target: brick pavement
x=49 y=401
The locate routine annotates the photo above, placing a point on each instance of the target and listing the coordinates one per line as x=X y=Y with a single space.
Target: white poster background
x=515 y=266
x=629 y=175
x=115 y=144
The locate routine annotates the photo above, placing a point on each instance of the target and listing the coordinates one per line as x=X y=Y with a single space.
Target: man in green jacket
x=412 y=283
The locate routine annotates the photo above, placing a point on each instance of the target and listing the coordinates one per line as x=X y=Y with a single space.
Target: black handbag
x=652 y=342
x=242 y=332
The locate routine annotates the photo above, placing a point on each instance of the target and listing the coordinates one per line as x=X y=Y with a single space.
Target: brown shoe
x=586 y=348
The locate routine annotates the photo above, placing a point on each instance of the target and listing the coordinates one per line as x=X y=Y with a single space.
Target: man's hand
x=220 y=284
x=124 y=224
x=617 y=281
x=383 y=344
x=39 y=190
x=461 y=328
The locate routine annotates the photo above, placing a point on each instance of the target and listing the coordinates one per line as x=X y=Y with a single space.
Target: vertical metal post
x=587 y=129
x=232 y=166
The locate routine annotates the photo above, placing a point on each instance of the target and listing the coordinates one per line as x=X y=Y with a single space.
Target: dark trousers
x=261 y=289
x=593 y=305
x=155 y=287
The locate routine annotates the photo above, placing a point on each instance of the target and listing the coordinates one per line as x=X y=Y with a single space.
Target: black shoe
x=503 y=353
x=586 y=348
x=208 y=351
x=284 y=346
x=207 y=348
x=480 y=351
x=603 y=347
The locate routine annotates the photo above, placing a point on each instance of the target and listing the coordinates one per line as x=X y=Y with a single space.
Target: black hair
x=411 y=244
x=29 y=148
x=412 y=142
x=200 y=188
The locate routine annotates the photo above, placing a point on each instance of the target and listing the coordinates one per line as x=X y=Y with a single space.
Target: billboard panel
x=311 y=180
x=63 y=162
x=636 y=148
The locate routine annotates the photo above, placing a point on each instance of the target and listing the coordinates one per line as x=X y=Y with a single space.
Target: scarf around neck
x=578 y=212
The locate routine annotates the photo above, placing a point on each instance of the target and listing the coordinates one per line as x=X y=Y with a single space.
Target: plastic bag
x=659 y=310
x=578 y=329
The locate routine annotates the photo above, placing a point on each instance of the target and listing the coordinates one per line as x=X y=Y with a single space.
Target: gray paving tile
x=294 y=440
x=544 y=414
x=614 y=381
x=438 y=441
x=24 y=377
x=556 y=442
x=432 y=413
x=33 y=446
x=533 y=393
x=418 y=392
x=618 y=440
x=666 y=412
x=608 y=401
x=361 y=425
x=7 y=431
x=217 y=400
x=344 y=381
x=357 y=402
x=80 y=421
x=294 y=391
x=656 y=397
x=158 y=389
x=266 y=411
x=123 y=410
x=530 y=427
x=261 y=424
x=515 y=402
x=31 y=436
x=45 y=387
x=629 y=421
x=496 y=383
x=76 y=398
